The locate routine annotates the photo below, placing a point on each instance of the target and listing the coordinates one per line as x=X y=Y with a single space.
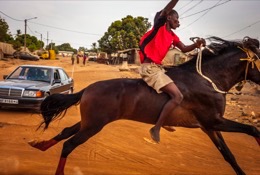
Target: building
x=6 y=49
x=65 y=53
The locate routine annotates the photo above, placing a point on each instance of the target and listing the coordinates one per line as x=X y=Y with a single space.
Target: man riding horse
x=154 y=45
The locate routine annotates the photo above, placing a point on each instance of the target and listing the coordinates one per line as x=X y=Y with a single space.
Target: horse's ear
x=250 y=43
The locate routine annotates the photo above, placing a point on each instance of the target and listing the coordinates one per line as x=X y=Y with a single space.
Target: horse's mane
x=218 y=46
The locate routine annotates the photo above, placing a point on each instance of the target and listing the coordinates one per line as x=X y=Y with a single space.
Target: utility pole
x=25 y=30
x=48 y=40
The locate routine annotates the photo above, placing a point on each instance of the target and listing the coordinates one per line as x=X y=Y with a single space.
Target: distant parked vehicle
x=28 y=85
x=25 y=56
x=48 y=54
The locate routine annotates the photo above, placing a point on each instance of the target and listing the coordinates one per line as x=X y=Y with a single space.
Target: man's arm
x=191 y=47
x=168 y=7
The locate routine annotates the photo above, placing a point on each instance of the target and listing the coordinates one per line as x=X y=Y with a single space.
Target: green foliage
x=93 y=47
x=32 y=43
x=124 y=34
x=65 y=47
x=5 y=35
x=83 y=49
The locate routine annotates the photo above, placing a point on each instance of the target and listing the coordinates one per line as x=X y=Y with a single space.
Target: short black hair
x=172 y=12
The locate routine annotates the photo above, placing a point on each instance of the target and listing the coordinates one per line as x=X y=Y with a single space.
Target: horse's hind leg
x=82 y=136
x=46 y=144
x=219 y=142
x=232 y=126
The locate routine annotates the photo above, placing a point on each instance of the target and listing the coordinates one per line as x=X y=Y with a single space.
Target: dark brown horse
x=203 y=106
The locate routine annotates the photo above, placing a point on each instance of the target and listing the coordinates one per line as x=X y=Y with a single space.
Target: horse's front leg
x=219 y=142
x=46 y=144
x=232 y=126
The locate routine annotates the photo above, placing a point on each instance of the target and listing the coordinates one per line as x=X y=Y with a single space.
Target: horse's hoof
x=32 y=142
x=37 y=144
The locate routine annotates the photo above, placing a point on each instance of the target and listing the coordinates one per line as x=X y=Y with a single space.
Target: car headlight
x=32 y=94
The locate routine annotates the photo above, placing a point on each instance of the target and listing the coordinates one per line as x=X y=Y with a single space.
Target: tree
x=65 y=47
x=124 y=34
x=94 y=47
x=83 y=49
x=5 y=35
x=32 y=43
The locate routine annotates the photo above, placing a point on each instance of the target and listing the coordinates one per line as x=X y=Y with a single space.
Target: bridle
x=252 y=58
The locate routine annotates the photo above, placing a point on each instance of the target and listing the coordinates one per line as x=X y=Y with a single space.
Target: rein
x=198 y=67
x=250 y=59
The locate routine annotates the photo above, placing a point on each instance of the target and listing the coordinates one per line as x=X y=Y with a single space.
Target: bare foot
x=155 y=135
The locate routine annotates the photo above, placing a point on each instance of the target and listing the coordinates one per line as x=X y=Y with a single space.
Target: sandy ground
x=120 y=148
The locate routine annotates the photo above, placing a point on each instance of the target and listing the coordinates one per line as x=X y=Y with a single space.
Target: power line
x=192 y=7
x=30 y=29
x=65 y=29
x=185 y=5
x=242 y=29
x=205 y=9
x=52 y=26
x=10 y=17
x=217 y=4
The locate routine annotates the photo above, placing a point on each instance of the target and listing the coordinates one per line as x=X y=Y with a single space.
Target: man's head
x=173 y=19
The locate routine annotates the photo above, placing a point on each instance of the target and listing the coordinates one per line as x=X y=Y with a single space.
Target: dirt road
x=120 y=148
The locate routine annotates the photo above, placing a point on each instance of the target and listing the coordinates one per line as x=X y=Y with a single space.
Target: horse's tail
x=56 y=105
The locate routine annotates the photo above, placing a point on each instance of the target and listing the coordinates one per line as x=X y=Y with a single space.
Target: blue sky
x=82 y=23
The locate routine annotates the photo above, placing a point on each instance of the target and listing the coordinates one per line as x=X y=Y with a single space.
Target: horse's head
x=251 y=47
x=249 y=59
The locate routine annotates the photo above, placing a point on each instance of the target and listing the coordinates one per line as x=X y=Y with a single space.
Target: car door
x=67 y=82
x=61 y=83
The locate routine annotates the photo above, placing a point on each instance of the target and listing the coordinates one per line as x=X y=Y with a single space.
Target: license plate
x=8 y=101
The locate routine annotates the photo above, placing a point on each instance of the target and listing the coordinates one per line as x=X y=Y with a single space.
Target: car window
x=35 y=74
x=47 y=75
x=17 y=74
x=56 y=75
x=63 y=75
x=43 y=74
x=31 y=74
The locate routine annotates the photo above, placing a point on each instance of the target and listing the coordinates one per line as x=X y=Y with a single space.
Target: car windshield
x=32 y=74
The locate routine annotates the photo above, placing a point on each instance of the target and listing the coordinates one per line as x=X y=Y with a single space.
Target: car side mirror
x=5 y=76
x=70 y=79
x=56 y=81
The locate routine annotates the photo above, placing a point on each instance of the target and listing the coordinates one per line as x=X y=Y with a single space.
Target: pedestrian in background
x=77 y=58
x=85 y=57
x=73 y=58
